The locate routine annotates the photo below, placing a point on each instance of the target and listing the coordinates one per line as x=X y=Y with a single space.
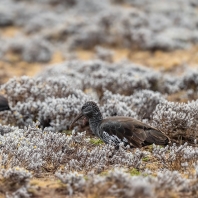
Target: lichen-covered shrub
x=190 y=80
x=6 y=19
x=16 y=176
x=119 y=183
x=117 y=108
x=14 y=182
x=52 y=102
x=75 y=181
x=171 y=180
x=178 y=120
x=104 y=54
x=42 y=21
x=39 y=150
x=104 y=76
x=37 y=50
x=187 y=81
x=140 y=105
x=25 y=89
x=169 y=85
x=56 y=95
x=176 y=157
x=144 y=103
x=6 y=129
x=123 y=78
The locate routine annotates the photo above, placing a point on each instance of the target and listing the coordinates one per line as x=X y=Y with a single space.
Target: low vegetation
x=40 y=156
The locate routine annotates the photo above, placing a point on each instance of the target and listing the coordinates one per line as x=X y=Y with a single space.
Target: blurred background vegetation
x=38 y=33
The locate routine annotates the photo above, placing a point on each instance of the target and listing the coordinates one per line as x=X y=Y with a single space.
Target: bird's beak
x=75 y=119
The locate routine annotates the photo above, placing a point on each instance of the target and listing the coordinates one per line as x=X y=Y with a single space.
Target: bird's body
x=4 y=103
x=131 y=132
x=115 y=130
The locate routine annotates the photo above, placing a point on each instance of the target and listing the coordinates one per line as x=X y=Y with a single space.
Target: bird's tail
x=4 y=103
x=157 y=137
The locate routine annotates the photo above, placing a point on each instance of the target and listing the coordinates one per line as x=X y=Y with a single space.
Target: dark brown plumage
x=4 y=103
x=116 y=130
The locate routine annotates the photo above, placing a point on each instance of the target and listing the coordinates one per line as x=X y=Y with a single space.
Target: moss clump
x=150 y=148
x=145 y=159
x=104 y=173
x=96 y=141
x=86 y=177
x=67 y=132
x=134 y=172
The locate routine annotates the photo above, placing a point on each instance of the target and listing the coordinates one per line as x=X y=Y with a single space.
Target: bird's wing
x=155 y=136
x=3 y=103
x=135 y=132
x=125 y=131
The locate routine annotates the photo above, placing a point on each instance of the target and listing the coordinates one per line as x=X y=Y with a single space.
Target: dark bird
x=115 y=130
x=4 y=103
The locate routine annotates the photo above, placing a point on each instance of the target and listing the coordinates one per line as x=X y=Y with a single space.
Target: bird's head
x=88 y=110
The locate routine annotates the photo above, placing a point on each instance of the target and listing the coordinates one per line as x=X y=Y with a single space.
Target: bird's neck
x=94 y=122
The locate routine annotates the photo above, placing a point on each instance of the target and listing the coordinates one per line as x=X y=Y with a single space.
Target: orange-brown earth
x=164 y=61
x=172 y=61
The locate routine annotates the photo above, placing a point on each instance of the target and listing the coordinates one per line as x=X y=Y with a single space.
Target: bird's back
x=131 y=131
